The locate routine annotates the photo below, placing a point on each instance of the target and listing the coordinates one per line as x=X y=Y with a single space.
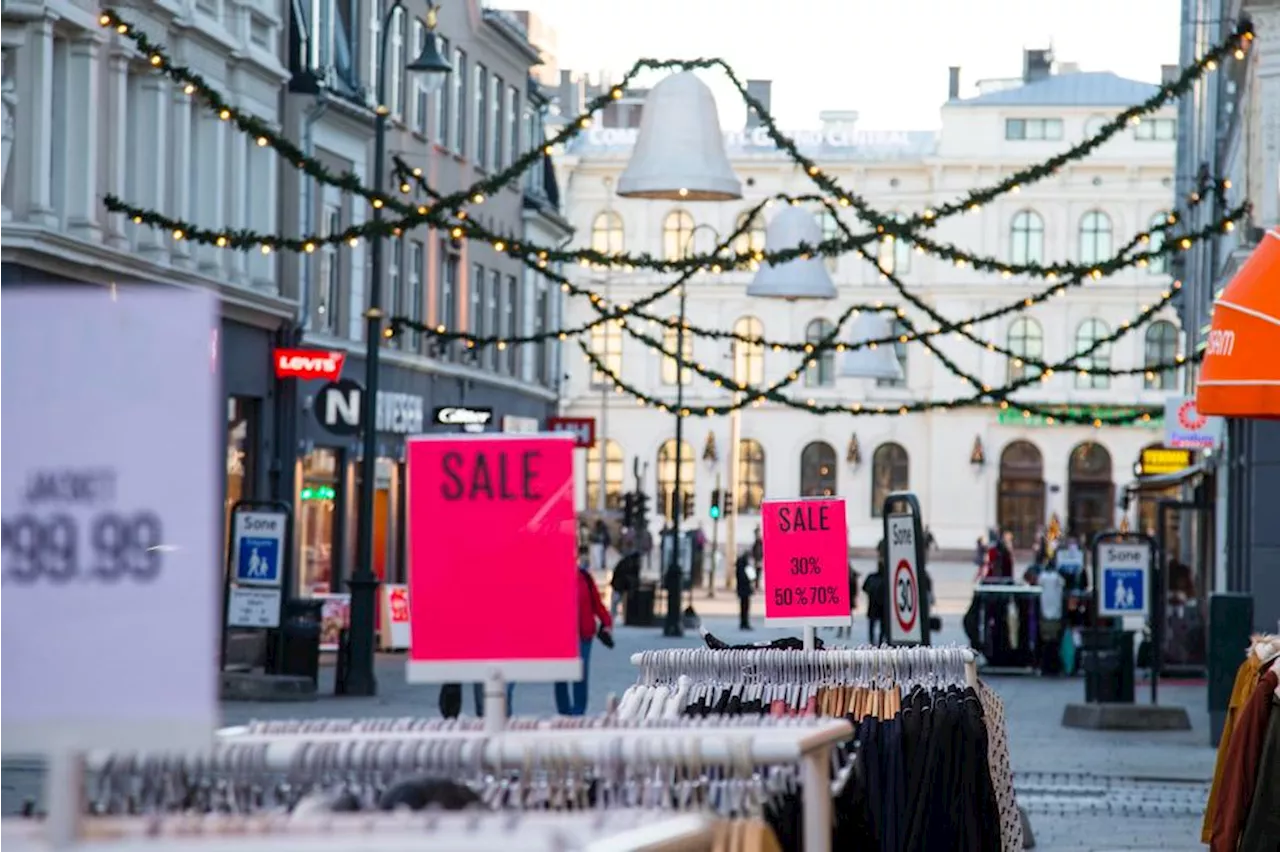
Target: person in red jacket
x=593 y=617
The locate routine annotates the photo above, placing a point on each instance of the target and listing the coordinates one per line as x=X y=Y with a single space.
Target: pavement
x=1085 y=791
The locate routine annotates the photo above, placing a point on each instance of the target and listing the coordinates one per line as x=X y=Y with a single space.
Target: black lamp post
x=360 y=677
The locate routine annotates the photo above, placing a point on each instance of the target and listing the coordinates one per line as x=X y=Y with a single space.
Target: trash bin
x=1106 y=656
x=301 y=640
x=640 y=604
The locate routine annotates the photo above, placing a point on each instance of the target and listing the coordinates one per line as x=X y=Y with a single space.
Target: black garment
x=418 y=793
x=626 y=574
x=451 y=700
x=744 y=613
x=786 y=643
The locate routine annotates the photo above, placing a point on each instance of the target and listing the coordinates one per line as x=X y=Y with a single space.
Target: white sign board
x=1186 y=428
x=111 y=518
x=394 y=625
x=248 y=606
x=258 y=547
x=1122 y=579
x=903 y=577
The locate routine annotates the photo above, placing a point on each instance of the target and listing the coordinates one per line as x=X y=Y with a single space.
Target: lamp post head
x=431 y=63
x=865 y=362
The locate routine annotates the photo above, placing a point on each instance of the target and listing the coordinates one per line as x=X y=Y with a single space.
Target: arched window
x=1020 y=509
x=1089 y=333
x=677 y=235
x=667 y=499
x=750 y=475
x=752 y=239
x=830 y=231
x=821 y=371
x=1090 y=491
x=671 y=342
x=1026 y=238
x=893 y=254
x=890 y=471
x=900 y=352
x=1157 y=265
x=1026 y=340
x=818 y=470
x=1161 y=347
x=605 y=342
x=1095 y=237
x=606 y=232
x=614 y=471
x=748 y=358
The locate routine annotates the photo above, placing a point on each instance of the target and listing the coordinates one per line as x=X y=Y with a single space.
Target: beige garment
x=1001 y=770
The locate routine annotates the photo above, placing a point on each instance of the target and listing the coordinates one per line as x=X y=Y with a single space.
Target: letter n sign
x=337 y=407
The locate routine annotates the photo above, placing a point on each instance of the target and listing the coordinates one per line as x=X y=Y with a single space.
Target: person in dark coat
x=874 y=588
x=743 y=566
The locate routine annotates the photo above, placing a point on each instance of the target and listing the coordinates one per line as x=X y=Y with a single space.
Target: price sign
x=904 y=581
x=395 y=616
x=806 y=563
x=110 y=519
x=492 y=558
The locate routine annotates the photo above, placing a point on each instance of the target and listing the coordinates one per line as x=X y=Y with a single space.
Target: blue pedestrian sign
x=258 y=548
x=1123 y=576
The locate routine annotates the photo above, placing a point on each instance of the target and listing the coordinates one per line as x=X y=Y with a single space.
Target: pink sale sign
x=806 y=563
x=491 y=558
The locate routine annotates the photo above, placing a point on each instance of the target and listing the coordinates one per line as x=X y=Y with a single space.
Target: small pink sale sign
x=491 y=558
x=806 y=563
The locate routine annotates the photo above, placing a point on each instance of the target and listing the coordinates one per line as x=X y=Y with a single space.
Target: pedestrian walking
x=600 y=542
x=744 y=590
x=593 y=621
x=757 y=556
x=874 y=587
x=625 y=580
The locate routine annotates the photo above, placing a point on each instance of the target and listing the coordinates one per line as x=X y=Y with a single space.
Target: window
x=606 y=232
x=330 y=277
x=495 y=123
x=1095 y=237
x=748 y=358
x=1158 y=265
x=475 y=301
x=1033 y=129
x=511 y=143
x=750 y=475
x=1156 y=130
x=492 y=316
x=447 y=305
x=395 y=86
x=544 y=318
x=1087 y=335
x=893 y=254
x=392 y=298
x=899 y=352
x=1026 y=238
x=820 y=372
x=614 y=470
x=818 y=470
x=1094 y=125
x=375 y=38
x=890 y=472
x=1161 y=347
x=751 y=239
x=606 y=343
x=507 y=354
x=331 y=42
x=418 y=106
x=458 y=103
x=1026 y=340
x=446 y=101
x=667 y=499
x=515 y=125
x=830 y=231
x=480 y=115
x=671 y=342
x=677 y=235
x=413 y=290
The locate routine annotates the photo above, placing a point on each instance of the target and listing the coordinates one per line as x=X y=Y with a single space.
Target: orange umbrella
x=1240 y=374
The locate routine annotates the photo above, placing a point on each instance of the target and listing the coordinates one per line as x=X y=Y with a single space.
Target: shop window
x=614 y=470
x=318 y=502
x=750 y=475
x=667 y=474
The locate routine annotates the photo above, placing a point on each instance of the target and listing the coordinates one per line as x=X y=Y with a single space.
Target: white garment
x=1051 y=586
x=1001 y=771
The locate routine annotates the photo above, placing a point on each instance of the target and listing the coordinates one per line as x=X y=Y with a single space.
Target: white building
x=1029 y=471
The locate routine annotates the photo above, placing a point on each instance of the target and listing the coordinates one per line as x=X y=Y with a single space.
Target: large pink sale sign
x=806 y=563
x=493 y=583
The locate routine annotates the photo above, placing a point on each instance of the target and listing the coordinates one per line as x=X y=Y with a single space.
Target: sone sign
x=806 y=563
x=904 y=581
x=1122 y=579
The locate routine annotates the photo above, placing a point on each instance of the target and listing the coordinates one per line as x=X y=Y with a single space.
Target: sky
x=887 y=59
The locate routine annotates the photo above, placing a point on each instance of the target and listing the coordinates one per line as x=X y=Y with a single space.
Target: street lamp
x=679 y=156
x=360 y=678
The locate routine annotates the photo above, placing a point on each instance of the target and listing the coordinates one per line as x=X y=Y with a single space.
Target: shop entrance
x=1020 y=507
x=1090 y=492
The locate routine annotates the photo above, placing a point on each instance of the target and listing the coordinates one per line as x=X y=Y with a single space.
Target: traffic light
x=687 y=504
x=715 y=505
x=642 y=509
x=727 y=503
x=629 y=509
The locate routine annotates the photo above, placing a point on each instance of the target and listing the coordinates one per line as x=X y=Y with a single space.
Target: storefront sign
x=470 y=419
x=583 y=429
x=1009 y=417
x=110 y=506
x=1163 y=460
x=309 y=364
x=400 y=413
x=806 y=563
x=249 y=606
x=491 y=541
x=395 y=616
x=338 y=408
x=335 y=617
x=520 y=425
x=1185 y=427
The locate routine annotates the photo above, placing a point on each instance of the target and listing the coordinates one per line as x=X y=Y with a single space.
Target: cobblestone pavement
x=1085 y=791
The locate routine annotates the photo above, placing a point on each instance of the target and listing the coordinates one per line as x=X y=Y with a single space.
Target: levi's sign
x=309 y=364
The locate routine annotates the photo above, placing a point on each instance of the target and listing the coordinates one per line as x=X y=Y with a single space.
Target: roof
x=1087 y=88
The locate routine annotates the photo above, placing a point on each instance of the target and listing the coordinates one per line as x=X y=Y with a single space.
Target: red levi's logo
x=309 y=364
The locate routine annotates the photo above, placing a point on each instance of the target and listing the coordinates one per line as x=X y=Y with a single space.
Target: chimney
x=1168 y=73
x=762 y=91
x=1036 y=65
x=953 y=83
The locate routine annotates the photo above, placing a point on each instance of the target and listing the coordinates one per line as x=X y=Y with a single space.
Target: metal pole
x=602 y=440
x=731 y=525
x=361 y=679
x=674 y=583
x=715 y=544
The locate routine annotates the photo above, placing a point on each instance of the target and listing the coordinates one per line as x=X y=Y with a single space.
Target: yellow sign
x=1158 y=460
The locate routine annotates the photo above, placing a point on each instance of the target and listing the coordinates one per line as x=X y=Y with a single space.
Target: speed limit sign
x=902 y=563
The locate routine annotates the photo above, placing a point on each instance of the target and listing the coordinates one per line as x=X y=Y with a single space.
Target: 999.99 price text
x=112 y=547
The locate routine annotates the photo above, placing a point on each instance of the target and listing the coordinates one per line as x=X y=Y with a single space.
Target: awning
x=1161 y=481
x=1240 y=374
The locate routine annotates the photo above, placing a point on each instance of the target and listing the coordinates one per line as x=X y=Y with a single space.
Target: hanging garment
x=1262 y=828
x=1243 y=759
x=1246 y=680
x=1001 y=770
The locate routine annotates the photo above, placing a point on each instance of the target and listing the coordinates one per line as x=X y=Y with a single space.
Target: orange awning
x=1240 y=374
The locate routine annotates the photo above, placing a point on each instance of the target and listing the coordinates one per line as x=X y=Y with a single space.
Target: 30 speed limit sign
x=904 y=582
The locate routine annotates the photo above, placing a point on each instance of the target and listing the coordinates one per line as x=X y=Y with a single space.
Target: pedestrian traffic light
x=715 y=505
x=687 y=504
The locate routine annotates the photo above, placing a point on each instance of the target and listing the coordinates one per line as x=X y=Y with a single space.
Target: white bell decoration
x=679 y=153
x=796 y=278
x=865 y=362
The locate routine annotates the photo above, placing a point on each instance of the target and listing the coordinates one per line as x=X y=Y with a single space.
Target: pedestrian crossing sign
x=1122 y=579
x=258 y=548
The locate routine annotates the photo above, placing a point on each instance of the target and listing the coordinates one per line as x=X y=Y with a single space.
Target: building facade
x=973 y=469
